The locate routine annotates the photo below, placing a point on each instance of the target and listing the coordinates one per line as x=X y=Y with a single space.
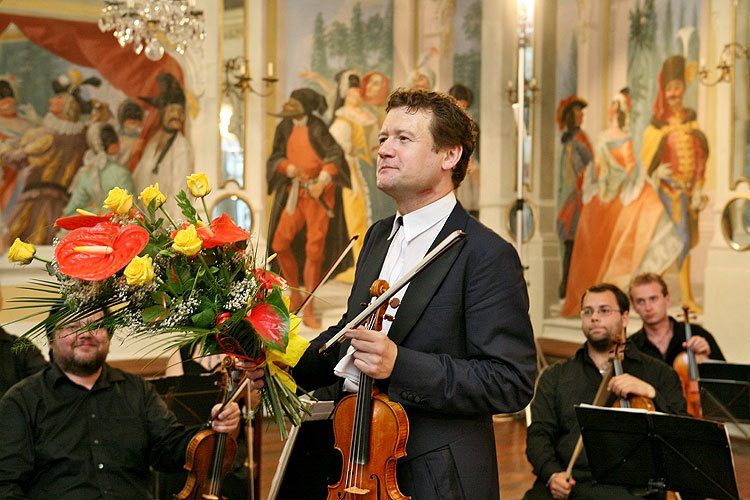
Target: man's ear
x=452 y=155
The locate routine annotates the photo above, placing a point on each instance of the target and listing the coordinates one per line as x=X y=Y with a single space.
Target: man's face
x=7 y=106
x=649 y=302
x=601 y=319
x=421 y=82
x=577 y=116
x=131 y=125
x=173 y=117
x=374 y=84
x=408 y=165
x=57 y=104
x=81 y=352
x=673 y=92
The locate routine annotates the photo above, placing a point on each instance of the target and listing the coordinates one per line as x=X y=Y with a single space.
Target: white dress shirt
x=409 y=244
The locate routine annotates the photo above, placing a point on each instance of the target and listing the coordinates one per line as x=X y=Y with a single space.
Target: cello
x=210 y=454
x=369 y=472
x=686 y=366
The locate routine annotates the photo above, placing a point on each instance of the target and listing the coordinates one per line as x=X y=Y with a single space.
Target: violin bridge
x=356 y=490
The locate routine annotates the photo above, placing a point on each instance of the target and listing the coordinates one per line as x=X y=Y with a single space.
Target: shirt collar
x=107 y=376
x=419 y=221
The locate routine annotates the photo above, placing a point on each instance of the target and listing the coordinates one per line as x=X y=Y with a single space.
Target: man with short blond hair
x=662 y=337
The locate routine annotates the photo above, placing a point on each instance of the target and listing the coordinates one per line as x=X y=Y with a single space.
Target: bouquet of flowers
x=196 y=282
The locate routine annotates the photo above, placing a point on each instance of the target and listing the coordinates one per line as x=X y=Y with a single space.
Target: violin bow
x=327 y=274
x=428 y=259
x=601 y=396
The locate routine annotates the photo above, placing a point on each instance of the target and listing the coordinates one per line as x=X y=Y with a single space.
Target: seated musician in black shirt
x=81 y=429
x=662 y=337
x=554 y=432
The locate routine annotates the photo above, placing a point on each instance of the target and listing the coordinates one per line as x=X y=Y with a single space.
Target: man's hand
x=559 y=487
x=697 y=202
x=663 y=171
x=698 y=345
x=316 y=189
x=228 y=421
x=252 y=372
x=626 y=385
x=375 y=353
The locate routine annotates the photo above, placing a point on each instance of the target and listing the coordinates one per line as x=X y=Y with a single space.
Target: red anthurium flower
x=269 y=324
x=269 y=279
x=223 y=231
x=98 y=252
x=75 y=221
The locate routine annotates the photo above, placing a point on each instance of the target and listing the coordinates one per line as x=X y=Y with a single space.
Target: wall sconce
x=729 y=53
x=237 y=78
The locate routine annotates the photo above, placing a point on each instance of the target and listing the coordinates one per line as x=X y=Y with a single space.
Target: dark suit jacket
x=466 y=348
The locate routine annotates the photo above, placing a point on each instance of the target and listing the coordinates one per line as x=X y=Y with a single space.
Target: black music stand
x=658 y=452
x=725 y=391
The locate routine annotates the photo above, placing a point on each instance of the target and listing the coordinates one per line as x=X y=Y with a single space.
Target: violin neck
x=360 y=446
x=692 y=365
x=617 y=364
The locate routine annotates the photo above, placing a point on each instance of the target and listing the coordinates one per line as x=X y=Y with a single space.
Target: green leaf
x=205 y=318
x=152 y=314
x=187 y=208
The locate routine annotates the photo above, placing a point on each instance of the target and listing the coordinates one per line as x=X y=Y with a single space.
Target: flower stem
x=205 y=207
x=208 y=269
x=168 y=216
x=43 y=260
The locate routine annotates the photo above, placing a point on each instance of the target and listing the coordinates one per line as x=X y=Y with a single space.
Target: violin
x=210 y=454
x=369 y=472
x=631 y=401
x=686 y=366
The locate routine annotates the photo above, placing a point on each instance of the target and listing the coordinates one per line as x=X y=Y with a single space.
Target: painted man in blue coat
x=460 y=347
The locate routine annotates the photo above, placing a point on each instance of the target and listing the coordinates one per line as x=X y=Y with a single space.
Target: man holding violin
x=552 y=436
x=460 y=347
x=81 y=429
x=662 y=337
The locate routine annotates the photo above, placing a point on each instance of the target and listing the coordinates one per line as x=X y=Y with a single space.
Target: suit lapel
x=423 y=287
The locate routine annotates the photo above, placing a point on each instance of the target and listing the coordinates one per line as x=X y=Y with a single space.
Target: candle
x=270 y=68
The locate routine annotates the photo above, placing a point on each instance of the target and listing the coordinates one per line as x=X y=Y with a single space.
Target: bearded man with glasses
x=553 y=433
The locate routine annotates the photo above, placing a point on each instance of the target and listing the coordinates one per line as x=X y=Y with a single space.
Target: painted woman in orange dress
x=623 y=228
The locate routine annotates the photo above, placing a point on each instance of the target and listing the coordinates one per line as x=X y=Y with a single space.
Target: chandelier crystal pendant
x=140 y=22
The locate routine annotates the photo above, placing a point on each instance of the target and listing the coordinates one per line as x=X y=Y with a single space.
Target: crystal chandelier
x=141 y=21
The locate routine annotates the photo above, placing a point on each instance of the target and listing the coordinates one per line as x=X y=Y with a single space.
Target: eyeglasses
x=602 y=311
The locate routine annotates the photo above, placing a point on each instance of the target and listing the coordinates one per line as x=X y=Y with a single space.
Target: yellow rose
x=198 y=185
x=119 y=201
x=187 y=242
x=20 y=252
x=140 y=271
x=152 y=193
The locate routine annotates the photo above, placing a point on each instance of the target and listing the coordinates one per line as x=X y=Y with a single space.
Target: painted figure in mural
x=47 y=160
x=100 y=112
x=355 y=130
x=130 y=120
x=675 y=151
x=15 y=120
x=468 y=191
x=575 y=155
x=167 y=157
x=100 y=172
x=375 y=87
x=623 y=228
x=306 y=172
x=334 y=91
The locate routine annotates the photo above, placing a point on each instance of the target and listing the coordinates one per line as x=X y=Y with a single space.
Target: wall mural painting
x=76 y=111
x=321 y=172
x=629 y=196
